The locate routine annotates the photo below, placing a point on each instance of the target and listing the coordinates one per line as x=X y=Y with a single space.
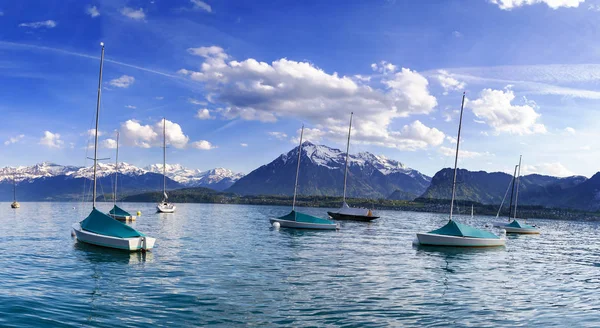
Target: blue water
x=223 y=264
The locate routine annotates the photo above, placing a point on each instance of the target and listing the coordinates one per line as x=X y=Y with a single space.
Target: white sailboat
x=346 y=212
x=98 y=228
x=164 y=206
x=299 y=220
x=15 y=204
x=514 y=226
x=454 y=233
x=116 y=212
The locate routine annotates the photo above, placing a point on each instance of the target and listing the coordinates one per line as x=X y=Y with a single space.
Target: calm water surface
x=223 y=264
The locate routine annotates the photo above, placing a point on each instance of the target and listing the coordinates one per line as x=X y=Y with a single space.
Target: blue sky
x=236 y=80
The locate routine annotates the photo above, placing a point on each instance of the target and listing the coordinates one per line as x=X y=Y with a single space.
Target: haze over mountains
x=321 y=174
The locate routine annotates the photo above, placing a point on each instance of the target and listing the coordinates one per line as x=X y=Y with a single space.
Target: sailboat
x=515 y=226
x=346 y=212
x=116 y=212
x=15 y=204
x=164 y=206
x=454 y=233
x=300 y=220
x=98 y=228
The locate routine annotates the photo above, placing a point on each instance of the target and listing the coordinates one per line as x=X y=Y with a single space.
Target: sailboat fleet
x=106 y=229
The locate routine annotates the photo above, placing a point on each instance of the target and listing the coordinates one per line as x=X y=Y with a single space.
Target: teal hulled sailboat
x=300 y=220
x=98 y=228
x=514 y=226
x=116 y=212
x=454 y=233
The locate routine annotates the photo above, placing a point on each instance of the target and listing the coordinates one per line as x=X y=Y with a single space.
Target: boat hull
x=304 y=225
x=165 y=209
x=523 y=231
x=348 y=217
x=15 y=205
x=456 y=241
x=127 y=244
x=122 y=218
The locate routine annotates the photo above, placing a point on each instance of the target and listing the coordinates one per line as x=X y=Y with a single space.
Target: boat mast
x=456 y=157
x=14 y=188
x=512 y=192
x=164 y=159
x=97 y=118
x=298 y=168
x=116 y=170
x=518 y=182
x=347 y=155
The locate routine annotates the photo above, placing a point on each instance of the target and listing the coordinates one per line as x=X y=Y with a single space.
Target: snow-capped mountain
x=322 y=173
x=218 y=179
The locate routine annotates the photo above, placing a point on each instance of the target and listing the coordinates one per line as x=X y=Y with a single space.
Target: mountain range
x=49 y=181
x=322 y=174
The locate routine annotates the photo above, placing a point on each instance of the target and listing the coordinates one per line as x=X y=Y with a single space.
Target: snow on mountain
x=188 y=177
x=335 y=159
x=195 y=177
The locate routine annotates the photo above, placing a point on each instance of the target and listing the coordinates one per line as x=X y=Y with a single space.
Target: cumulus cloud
x=254 y=90
x=570 y=131
x=108 y=143
x=554 y=4
x=313 y=135
x=451 y=140
x=122 y=82
x=244 y=144
x=133 y=14
x=278 y=135
x=92 y=133
x=13 y=140
x=43 y=24
x=203 y=145
x=451 y=152
x=204 y=114
x=51 y=140
x=496 y=109
x=448 y=82
x=92 y=11
x=201 y=5
x=147 y=136
x=554 y=169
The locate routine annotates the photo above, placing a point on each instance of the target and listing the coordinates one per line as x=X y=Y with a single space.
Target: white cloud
x=244 y=144
x=554 y=4
x=451 y=152
x=204 y=114
x=92 y=133
x=108 y=143
x=45 y=24
x=451 y=140
x=159 y=98
x=554 y=169
x=570 y=131
x=312 y=135
x=133 y=14
x=278 y=135
x=13 y=140
x=203 y=145
x=122 y=82
x=92 y=11
x=146 y=136
x=457 y=34
x=196 y=102
x=201 y=5
x=130 y=106
x=594 y=7
x=448 y=82
x=496 y=109
x=51 y=140
x=253 y=90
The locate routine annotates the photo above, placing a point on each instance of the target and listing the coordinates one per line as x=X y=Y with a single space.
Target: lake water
x=223 y=264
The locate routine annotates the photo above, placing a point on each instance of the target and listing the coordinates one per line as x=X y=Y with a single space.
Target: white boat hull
x=165 y=209
x=128 y=244
x=524 y=231
x=456 y=241
x=303 y=225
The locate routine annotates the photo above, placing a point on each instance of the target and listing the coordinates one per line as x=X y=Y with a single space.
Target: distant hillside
x=322 y=174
